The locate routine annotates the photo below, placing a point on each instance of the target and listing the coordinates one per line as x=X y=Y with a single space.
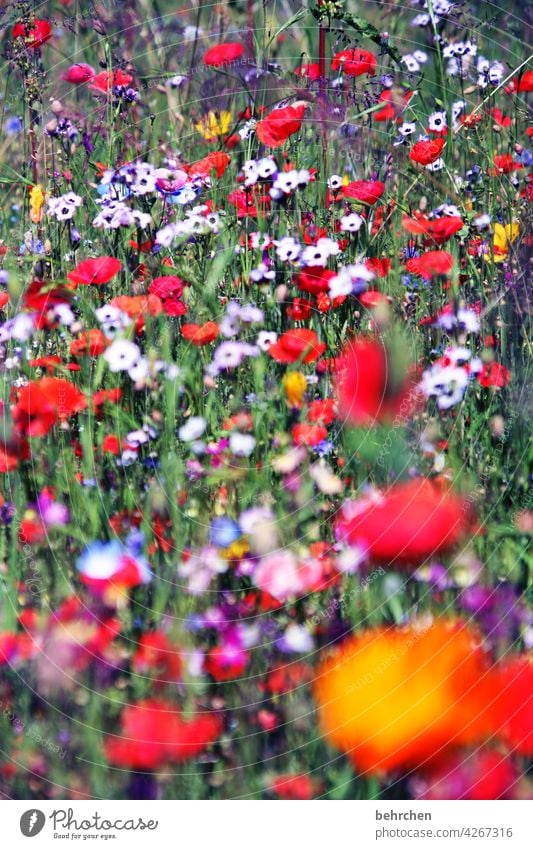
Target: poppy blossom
x=431 y=264
x=427 y=152
x=365 y=191
x=91 y=343
x=514 y=703
x=95 y=271
x=479 y=775
x=42 y=403
x=200 y=334
x=153 y=732
x=368 y=391
x=104 y=81
x=355 y=62
x=35 y=35
x=223 y=54
x=522 y=83
x=79 y=73
x=216 y=161
x=309 y=434
x=399 y=697
x=13 y=450
x=280 y=124
x=494 y=374
x=226 y=662
x=156 y=657
x=294 y=345
x=437 y=230
x=311 y=71
x=407 y=523
x=295 y=787
x=314 y=279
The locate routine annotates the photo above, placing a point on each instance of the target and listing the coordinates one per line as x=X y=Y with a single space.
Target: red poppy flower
x=430 y=264
x=280 y=124
x=300 y=309
x=380 y=266
x=216 y=161
x=41 y=403
x=226 y=663
x=310 y=71
x=300 y=344
x=223 y=54
x=200 y=334
x=387 y=113
x=368 y=391
x=494 y=374
x=105 y=81
x=91 y=343
x=427 y=152
x=314 y=280
x=13 y=450
x=154 y=733
x=79 y=73
x=35 y=35
x=504 y=164
x=137 y=306
x=355 y=62
x=309 y=434
x=156 y=657
x=437 y=230
x=514 y=703
x=523 y=83
x=295 y=787
x=478 y=776
x=365 y=191
x=166 y=287
x=111 y=444
x=38 y=296
x=249 y=203
x=95 y=271
x=322 y=411
x=406 y=524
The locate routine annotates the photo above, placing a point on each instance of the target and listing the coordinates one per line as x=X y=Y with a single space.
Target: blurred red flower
x=222 y=54
x=42 y=403
x=368 y=390
x=365 y=191
x=299 y=344
x=95 y=271
x=430 y=264
x=280 y=124
x=406 y=524
x=153 y=733
x=427 y=152
x=79 y=73
x=35 y=35
x=355 y=62
x=494 y=374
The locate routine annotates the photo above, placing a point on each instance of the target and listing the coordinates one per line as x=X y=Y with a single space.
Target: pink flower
x=281 y=575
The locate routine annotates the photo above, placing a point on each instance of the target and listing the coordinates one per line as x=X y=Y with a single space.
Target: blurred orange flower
x=399 y=697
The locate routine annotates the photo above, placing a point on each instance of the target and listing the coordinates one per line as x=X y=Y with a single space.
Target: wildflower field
x=265 y=359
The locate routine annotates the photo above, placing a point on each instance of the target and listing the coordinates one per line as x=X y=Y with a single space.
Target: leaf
x=301 y=13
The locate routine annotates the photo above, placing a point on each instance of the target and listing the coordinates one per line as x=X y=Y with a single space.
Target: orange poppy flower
x=399 y=697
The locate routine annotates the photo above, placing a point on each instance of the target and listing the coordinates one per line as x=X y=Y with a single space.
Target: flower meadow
x=265 y=358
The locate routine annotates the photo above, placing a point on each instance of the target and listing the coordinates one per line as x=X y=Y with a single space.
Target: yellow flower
x=236 y=550
x=36 y=203
x=504 y=236
x=295 y=385
x=214 y=124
